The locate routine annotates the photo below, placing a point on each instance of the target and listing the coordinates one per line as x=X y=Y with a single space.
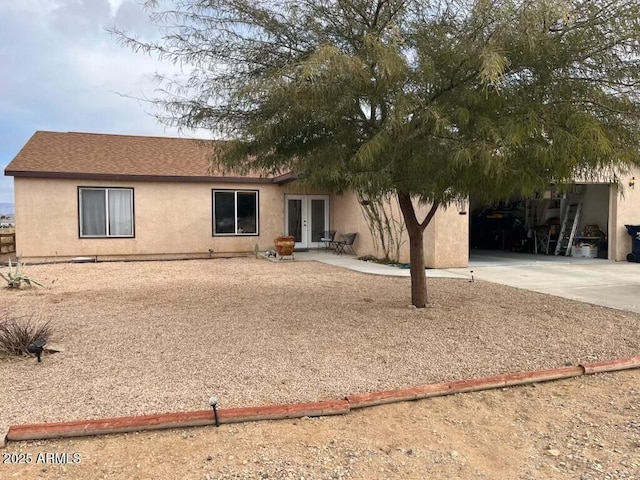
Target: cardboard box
x=584 y=251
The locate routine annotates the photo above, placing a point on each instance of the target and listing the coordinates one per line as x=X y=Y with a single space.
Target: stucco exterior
x=174 y=220
x=624 y=210
x=170 y=219
x=172 y=182
x=445 y=238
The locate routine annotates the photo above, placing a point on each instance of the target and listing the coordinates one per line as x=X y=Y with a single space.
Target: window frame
x=106 y=190
x=235 y=191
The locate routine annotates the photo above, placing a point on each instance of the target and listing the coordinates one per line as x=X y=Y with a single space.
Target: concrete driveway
x=597 y=281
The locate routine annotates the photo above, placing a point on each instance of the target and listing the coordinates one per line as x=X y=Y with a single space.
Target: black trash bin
x=634 y=231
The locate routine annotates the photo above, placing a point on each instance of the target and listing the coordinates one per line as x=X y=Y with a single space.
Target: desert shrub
x=16 y=333
x=15 y=276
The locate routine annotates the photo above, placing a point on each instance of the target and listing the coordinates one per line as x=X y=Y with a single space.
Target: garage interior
x=573 y=222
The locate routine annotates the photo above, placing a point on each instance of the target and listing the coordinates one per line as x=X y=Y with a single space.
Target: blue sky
x=64 y=72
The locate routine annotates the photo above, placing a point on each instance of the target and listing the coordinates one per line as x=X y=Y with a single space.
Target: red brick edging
x=447 y=388
x=196 y=418
x=39 y=431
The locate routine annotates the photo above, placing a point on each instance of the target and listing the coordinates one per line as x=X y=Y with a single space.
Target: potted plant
x=284 y=245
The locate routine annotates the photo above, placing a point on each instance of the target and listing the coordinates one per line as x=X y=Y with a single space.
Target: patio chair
x=327 y=239
x=544 y=240
x=346 y=244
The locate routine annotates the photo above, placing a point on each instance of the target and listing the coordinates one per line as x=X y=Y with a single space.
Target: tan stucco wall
x=445 y=239
x=625 y=211
x=170 y=218
x=175 y=219
x=448 y=238
x=347 y=217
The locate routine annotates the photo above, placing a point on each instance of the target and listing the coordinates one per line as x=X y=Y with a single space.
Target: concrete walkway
x=352 y=263
x=597 y=281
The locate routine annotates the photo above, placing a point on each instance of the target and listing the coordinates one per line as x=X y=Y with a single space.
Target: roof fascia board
x=139 y=178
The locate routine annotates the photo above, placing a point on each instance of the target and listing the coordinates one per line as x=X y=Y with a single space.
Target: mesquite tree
x=427 y=100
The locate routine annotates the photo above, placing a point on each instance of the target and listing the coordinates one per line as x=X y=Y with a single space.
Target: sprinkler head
x=213 y=401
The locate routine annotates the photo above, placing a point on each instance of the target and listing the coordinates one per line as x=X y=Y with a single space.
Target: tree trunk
x=415 y=230
x=419 y=296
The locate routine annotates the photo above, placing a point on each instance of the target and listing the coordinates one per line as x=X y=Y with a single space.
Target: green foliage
x=16 y=333
x=15 y=276
x=384 y=224
x=435 y=99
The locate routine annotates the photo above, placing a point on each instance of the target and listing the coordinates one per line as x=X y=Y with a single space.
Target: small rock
x=553 y=452
x=209 y=458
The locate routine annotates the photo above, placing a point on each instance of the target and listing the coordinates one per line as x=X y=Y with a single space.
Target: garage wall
x=450 y=237
x=626 y=211
x=445 y=239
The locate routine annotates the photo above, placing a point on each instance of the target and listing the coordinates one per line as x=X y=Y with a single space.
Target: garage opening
x=571 y=223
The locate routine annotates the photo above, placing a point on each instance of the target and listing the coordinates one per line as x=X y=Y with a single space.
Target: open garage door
x=549 y=224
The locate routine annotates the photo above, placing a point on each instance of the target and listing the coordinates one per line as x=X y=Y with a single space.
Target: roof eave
x=139 y=178
x=286 y=178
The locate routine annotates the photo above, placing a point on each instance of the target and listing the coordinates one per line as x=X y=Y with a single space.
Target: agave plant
x=15 y=277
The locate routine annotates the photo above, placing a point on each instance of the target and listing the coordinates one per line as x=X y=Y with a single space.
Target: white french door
x=306 y=217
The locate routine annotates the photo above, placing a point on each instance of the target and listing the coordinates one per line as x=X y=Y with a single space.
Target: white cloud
x=80 y=18
x=64 y=71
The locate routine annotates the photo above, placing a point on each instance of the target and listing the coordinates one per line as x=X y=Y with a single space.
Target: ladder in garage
x=569 y=224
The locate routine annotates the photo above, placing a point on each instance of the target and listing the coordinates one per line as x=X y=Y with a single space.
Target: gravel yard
x=583 y=428
x=152 y=337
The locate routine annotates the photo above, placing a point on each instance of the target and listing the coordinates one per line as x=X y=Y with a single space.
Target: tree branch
x=432 y=212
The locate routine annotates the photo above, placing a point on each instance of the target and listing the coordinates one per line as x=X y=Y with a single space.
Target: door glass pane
x=317 y=219
x=294 y=220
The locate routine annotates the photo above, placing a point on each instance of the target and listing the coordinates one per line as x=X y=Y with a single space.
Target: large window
x=235 y=212
x=106 y=212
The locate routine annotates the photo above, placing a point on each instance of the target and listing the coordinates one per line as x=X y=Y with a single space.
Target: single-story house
x=113 y=197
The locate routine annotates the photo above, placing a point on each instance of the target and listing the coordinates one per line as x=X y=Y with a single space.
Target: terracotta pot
x=284 y=245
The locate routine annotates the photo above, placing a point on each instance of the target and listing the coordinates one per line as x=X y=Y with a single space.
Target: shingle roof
x=73 y=154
